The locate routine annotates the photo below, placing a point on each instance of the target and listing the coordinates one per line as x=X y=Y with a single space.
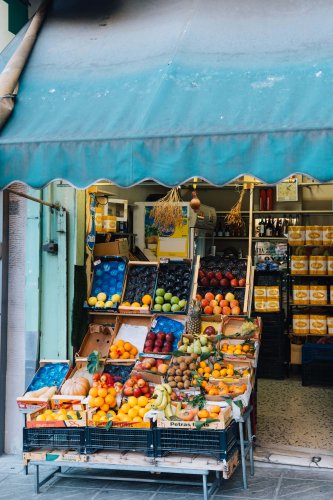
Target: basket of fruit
x=155 y=368
x=242 y=328
x=164 y=335
x=240 y=350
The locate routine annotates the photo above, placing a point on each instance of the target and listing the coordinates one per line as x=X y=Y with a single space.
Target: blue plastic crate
x=218 y=443
x=317 y=352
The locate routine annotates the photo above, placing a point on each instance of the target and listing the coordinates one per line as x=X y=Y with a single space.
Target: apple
x=226 y=310
x=234 y=282
x=159 y=343
x=213 y=303
x=214 y=282
x=141 y=366
x=145 y=389
x=151 y=391
x=224 y=282
x=234 y=303
x=218 y=275
x=160 y=335
x=159 y=362
x=204 y=282
x=150 y=336
x=128 y=391
x=137 y=392
x=204 y=302
x=217 y=310
x=242 y=282
x=223 y=303
x=229 y=275
x=210 y=275
x=154 y=370
x=152 y=361
x=169 y=337
x=198 y=297
x=149 y=344
x=166 y=349
x=130 y=382
x=219 y=297
x=168 y=345
x=229 y=297
x=163 y=369
x=141 y=382
x=201 y=273
x=156 y=350
x=235 y=310
x=208 y=310
x=209 y=330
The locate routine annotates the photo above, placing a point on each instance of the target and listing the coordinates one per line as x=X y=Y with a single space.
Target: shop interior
x=288 y=403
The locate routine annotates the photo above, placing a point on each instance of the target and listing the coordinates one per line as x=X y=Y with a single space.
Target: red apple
x=130 y=382
x=234 y=282
x=141 y=382
x=161 y=335
x=198 y=297
x=137 y=392
x=159 y=362
x=145 y=389
x=219 y=297
x=128 y=391
x=229 y=275
x=150 y=336
x=224 y=282
x=169 y=337
x=218 y=275
x=214 y=282
x=159 y=342
x=210 y=275
x=201 y=273
x=205 y=302
x=204 y=281
x=156 y=350
x=242 y=282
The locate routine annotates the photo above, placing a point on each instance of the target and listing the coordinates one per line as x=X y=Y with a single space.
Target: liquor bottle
x=285 y=225
x=226 y=231
x=269 y=228
x=262 y=228
x=278 y=228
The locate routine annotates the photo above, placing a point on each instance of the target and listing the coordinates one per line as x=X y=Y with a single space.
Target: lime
x=160 y=292
x=168 y=297
x=166 y=308
x=159 y=300
x=174 y=300
x=157 y=307
x=175 y=308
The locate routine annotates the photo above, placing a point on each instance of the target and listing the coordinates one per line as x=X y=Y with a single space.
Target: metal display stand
x=208 y=488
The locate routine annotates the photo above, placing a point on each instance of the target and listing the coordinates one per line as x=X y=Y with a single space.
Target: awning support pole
x=56 y=206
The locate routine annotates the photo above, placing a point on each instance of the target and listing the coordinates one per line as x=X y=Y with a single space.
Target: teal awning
x=169 y=90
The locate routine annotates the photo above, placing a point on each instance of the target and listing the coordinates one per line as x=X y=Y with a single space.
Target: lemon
x=115 y=297
x=41 y=418
x=108 y=303
x=100 y=303
x=92 y=301
x=48 y=412
x=101 y=296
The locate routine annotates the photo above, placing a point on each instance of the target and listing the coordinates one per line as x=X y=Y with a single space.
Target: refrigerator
x=194 y=237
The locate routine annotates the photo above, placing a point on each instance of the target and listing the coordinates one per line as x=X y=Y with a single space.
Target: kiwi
x=172 y=371
x=180 y=385
x=179 y=372
x=170 y=379
x=187 y=384
x=186 y=377
x=183 y=366
x=178 y=378
x=192 y=366
x=194 y=355
x=187 y=372
x=173 y=384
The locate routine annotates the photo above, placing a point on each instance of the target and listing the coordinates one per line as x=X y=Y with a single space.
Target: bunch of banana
x=161 y=397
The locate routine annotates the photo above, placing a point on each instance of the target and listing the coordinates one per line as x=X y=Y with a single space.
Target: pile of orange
x=213 y=412
x=235 y=349
x=102 y=398
x=133 y=409
x=123 y=350
x=222 y=389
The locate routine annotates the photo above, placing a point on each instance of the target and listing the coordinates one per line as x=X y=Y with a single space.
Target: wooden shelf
x=310 y=305
x=106 y=313
x=310 y=275
x=277 y=212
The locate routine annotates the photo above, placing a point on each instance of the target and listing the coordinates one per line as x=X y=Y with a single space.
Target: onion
x=195 y=202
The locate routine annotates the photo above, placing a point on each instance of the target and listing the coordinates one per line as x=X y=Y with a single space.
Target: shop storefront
x=130 y=110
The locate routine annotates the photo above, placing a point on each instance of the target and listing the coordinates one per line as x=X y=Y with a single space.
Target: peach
x=223 y=303
x=198 y=297
x=219 y=297
x=235 y=310
x=204 y=303
x=217 y=310
x=234 y=303
x=226 y=310
x=209 y=296
x=208 y=310
x=213 y=303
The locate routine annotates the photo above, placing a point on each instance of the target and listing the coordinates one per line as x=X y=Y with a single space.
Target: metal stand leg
x=37 y=480
x=205 y=487
x=250 y=444
x=243 y=458
x=26 y=470
x=218 y=478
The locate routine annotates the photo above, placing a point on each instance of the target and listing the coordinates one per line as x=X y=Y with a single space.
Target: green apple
x=168 y=297
x=159 y=300
x=157 y=307
x=166 y=308
x=174 y=300
x=175 y=308
x=182 y=304
x=160 y=292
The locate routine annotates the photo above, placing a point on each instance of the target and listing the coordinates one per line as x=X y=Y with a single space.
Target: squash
x=76 y=387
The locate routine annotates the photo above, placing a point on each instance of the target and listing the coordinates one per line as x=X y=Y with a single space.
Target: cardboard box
x=31 y=421
x=153 y=377
x=296 y=354
x=131 y=329
x=28 y=404
x=67 y=402
x=98 y=338
x=225 y=417
x=232 y=324
x=118 y=247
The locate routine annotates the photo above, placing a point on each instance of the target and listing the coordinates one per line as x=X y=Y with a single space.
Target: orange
x=137 y=419
x=101 y=413
x=120 y=342
x=95 y=418
x=99 y=401
x=204 y=383
x=114 y=355
x=135 y=304
x=214 y=415
x=207 y=369
x=142 y=412
x=110 y=400
x=203 y=413
x=125 y=408
x=133 y=413
x=223 y=372
x=230 y=372
x=112 y=391
x=146 y=299
x=215 y=373
x=200 y=371
x=105 y=407
x=215 y=409
x=133 y=351
x=127 y=346
x=246 y=348
x=92 y=402
x=206 y=375
x=217 y=366
x=120 y=350
x=113 y=347
x=93 y=392
x=202 y=364
x=102 y=392
x=125 y=355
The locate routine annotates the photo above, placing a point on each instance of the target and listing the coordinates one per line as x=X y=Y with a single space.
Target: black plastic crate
x=272 y=369
x=219 y=443
x=317 y=373
x=45 y=437
x=122 y=439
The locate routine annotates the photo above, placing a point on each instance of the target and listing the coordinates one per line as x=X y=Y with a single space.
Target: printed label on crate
x=299 y=264
x=327 y=235
x=329 y=325
x=272 y=305
x=301 y=294
x=301 y=324
x=318 y=265
x=273 y=291
x=314 y=235
x=330 y=265
x=260 y=305
x=318 y=294
x=260 y=292
x=318 y=324
x=296 y=235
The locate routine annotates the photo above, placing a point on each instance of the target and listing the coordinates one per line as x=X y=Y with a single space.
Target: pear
x=197 y=349
x=205 y=348
x=190 y=349
x=186 y=340
x=203 y=340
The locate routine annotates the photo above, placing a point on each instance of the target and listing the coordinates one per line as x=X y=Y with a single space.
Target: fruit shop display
x=218 y=277
x=159 y=343
x=179 y=374
x=108 y=281
x=59 y=415
x=123 y=350
x=174 y=281
x=211 y=369
x=140 y=285
x=198 y=345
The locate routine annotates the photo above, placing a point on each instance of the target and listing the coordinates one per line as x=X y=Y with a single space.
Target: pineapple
x=193 y=325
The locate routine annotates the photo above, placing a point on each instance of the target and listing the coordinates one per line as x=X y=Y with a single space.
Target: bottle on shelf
x=269 y=228
x=269 y=199
x=278 y=229
x=219 y=229
x=262 y=228
x=285 y=225
x=226 y=231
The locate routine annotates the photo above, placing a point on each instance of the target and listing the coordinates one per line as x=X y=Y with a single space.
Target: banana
x=165 y=401
x=159 y=398
x=178 y=408
x=168 y=411
x=168 y=388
